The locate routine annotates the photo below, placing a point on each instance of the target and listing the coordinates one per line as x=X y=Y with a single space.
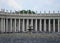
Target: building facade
x=43 y=22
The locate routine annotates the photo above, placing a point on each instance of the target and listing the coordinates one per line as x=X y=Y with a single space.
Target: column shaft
x=36 y=25
x=40 y=25
x=27 y=24
x=58 y=26
x=15 y=25
x=1 y=24
x=11 y=25
x=19 y=25
x=45 y=25
x=54 y=25
x=31 y=23
x=49 y=26
x=7 y=30
x=23 y=26
x=4 y=24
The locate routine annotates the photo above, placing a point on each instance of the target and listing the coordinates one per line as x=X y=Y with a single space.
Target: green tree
x=25 y=12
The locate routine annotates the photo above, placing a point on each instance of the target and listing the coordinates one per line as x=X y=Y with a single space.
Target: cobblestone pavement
x=18 y=39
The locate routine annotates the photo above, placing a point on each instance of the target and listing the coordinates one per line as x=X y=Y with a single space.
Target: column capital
x=6 y=18
x=11 y=18
x=15 y=18
x=19 y=18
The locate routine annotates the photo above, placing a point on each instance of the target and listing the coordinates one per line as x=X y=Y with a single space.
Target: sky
x=34 y=5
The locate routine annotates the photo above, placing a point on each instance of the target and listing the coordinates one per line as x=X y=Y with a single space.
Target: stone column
x=19 y=25
x=40 y=25
x=11 y=24
x=4 y=24
x=31 y=23
x=1 y=24
x=36 y=25
x=27 y=24
x=23 y=26
x=58 y=26
x=53 y=25
x=49 y=26
x=15 y=25
x=7 y=30
x=45 y=25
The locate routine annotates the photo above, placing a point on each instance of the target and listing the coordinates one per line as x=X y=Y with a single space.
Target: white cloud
x=14 y=4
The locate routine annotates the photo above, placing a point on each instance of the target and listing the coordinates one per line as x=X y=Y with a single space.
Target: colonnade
x=22 y=25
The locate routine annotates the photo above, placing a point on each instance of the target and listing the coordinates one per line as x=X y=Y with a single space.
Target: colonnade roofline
x=43 y=14
x=29 y=17
x=26 y=13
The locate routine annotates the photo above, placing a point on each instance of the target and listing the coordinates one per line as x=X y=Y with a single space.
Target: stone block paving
x=28 y=40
